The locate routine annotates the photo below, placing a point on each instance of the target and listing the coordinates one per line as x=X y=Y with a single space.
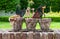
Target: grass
x=55 y=25
x=6 y=25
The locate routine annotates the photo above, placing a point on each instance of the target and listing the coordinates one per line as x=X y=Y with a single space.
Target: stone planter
x=31 y=23
x=45 y=23
x=17 y=24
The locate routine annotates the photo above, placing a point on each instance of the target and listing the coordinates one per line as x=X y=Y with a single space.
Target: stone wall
x=29 y=35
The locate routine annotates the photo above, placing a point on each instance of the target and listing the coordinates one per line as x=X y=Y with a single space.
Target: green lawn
x=6 y=25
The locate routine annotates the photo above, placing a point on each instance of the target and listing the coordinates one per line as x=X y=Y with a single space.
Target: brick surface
x=44 y=35
x=12 y=36
x=50 y=35
x=23 y=35
x=29 y=35
x=36 y=35
x=18 y=35
x=5 y=36
x=57 y=35
x=0 y=35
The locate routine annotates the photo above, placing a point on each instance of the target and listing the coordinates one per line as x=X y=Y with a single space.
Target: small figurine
x=39 y=12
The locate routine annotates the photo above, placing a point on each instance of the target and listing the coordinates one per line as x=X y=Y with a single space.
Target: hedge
x=54 y=19
x=5 y=19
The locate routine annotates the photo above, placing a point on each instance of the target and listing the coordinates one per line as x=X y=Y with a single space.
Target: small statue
x=19 y=11
x=39 y=12
x=28 y=12
x=33 y=11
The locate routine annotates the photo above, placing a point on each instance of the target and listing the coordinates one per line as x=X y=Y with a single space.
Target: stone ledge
x=30 y=35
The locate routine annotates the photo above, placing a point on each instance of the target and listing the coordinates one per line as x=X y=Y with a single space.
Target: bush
x=5 y=19
x=55 y=19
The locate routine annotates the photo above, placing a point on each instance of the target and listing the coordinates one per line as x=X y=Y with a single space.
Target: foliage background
x=51 y=5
